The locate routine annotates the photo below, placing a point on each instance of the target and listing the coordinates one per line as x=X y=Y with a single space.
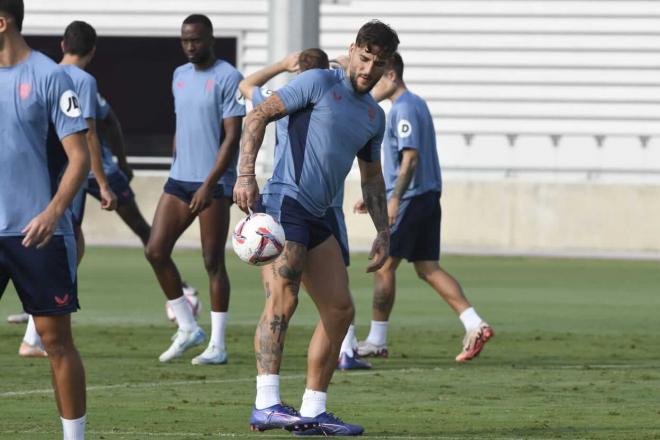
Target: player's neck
x=398 y=92
x=74 y=60
x=206 y=63
x=13 y=51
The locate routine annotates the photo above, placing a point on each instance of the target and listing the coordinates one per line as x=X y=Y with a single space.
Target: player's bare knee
x=155 y=254
x=56 y=345
x=424 y=270
x=213 y=263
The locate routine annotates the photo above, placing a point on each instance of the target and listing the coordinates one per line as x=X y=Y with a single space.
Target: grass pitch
x=576 y=355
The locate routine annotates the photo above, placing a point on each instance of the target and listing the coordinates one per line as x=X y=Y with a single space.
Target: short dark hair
x=14 y=8
x=79 y=38
x=377 y=33
x=313 y=58
x=396 y=64
x=200 y=19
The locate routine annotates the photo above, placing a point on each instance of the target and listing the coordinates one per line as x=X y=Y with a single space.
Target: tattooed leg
x=384 y=290
x=281 y=281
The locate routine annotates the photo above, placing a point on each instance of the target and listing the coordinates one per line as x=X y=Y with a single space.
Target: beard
x=357 y=88
x=200 y=58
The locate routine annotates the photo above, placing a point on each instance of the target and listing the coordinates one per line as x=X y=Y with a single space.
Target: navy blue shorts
x=118 y=183
x=45 y=278
x=416 y=233
x=335 y=219
x=299 y=224
x=186 y=190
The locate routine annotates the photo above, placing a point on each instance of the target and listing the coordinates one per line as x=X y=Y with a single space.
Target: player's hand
x=290 y=62
x=393 y=210
x=108 y=198
x=379 y=251
x=246 y=193
x=40 y=229
x=360 y=207
x=201 y=200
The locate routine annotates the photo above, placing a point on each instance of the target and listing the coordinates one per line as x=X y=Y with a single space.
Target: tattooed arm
x=407 y=171
x=246 y=190
x=373 y=193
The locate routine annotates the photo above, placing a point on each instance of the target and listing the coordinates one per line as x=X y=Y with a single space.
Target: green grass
x=576 y=355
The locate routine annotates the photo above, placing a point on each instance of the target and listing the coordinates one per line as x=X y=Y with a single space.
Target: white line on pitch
x=204 y=382
x=302 y=376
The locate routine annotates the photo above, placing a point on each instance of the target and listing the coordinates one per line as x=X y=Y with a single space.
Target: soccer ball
x=192 y=301
x=258 y=239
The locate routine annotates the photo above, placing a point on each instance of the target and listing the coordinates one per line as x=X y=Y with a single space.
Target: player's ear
x=351 y=48
x=62 y=46
x=3 y=24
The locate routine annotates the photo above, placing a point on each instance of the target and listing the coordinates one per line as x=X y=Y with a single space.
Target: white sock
x=313 y=403
x=378 y=333
x=31 y=335
x=470 y=319
x=268 y=391
x=74 y=429
x=347 y=344
x=218 y=325
x=183 y=313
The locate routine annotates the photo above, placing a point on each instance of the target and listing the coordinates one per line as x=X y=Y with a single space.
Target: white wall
x=536 y=103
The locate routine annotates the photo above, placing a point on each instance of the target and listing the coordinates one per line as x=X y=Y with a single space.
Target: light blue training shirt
x=38 y=108
x=329 y=124
x=410 y=125
x=202 y=100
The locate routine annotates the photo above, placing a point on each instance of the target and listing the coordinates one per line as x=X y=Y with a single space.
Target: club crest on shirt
x=209 y=85
x=266 y=91
x=371 y=113
x=240 y=98
x=404 y=129
x=24 y=90
x=70 y=104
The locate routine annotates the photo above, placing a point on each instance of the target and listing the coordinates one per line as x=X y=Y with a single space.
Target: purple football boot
x=279 y=417
x=328 y=424
x=352 y=363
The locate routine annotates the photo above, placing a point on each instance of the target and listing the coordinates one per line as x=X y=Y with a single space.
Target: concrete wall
x=479 y=216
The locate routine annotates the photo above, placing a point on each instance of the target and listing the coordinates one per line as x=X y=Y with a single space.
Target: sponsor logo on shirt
x=69 y=104
x=404 y=129
x=180 y=84
x=24 y=90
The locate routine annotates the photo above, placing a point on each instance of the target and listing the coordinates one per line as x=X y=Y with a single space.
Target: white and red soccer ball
x=258 y=239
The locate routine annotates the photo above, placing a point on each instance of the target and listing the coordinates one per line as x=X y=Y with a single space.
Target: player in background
x=119 y=175
x=414 y=184
x=209 y=112
x=332 y=119
x=252 y=88
x=78 y=48
x=43 y=162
